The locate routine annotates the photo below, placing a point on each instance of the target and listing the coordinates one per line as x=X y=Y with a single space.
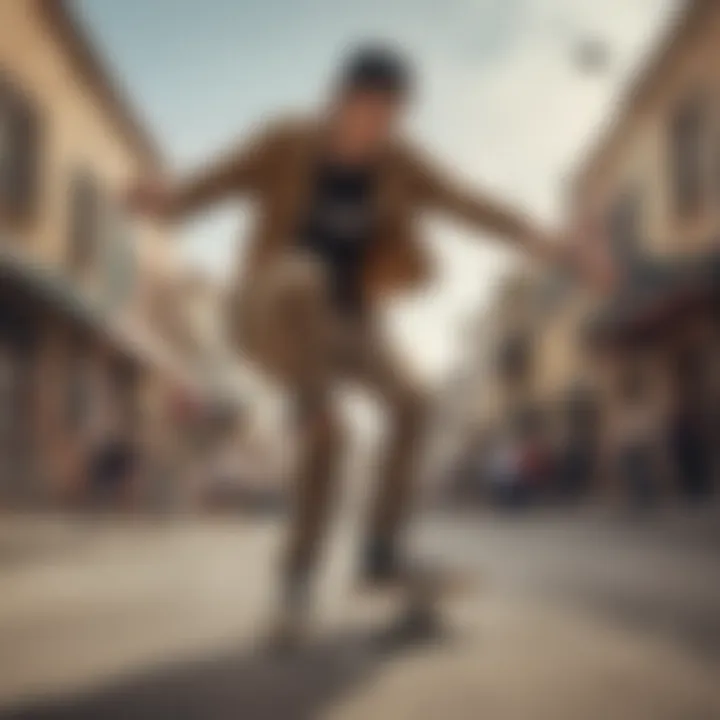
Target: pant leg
x=287 y=330
x=321 y=444
x=376 y=367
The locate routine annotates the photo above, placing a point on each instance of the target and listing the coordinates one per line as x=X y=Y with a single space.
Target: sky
x=502 y=103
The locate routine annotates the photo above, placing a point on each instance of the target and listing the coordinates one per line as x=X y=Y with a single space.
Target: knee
x=410 y=410
x=323 y=428
x=327 y=431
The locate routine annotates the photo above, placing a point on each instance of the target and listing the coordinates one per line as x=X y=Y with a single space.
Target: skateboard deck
x=416 y=605
x=398 y=615
x=425 y=586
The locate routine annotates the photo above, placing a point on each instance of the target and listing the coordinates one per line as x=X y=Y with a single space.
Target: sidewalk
x=163 y=621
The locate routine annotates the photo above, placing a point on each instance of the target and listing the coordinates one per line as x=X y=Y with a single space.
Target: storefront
x=20 y=330
x=63 y=381
x=660 y=343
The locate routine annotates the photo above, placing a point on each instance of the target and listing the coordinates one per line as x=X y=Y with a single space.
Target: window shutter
x=624 y=228
x=120 y=261
x=19 y=156
x=84 y=221
x=687 y=158
x=77 y=384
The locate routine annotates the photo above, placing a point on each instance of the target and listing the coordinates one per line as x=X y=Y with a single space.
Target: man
x=336 y=199
x=113 y=469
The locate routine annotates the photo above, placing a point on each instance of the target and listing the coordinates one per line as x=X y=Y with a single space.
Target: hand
x=588 y=252
x=591 y=262
x=149 y=197
x=580 y=254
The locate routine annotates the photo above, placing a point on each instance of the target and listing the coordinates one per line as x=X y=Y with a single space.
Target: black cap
x=376 y=68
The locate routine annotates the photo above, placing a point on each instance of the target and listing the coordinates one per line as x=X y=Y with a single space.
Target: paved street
x=573 y=618
x=661 y=574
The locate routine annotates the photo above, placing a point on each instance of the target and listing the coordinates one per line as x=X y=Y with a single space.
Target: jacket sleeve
x=435 y=190
x=240 y=169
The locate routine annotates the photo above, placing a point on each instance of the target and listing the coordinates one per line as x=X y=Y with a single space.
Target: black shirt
x=338 y=228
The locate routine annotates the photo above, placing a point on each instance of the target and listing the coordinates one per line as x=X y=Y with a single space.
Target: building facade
x=650 y=189
x=652 y=184
x=653 y=176
x=78 y=357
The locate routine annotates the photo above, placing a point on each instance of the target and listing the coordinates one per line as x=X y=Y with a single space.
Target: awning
x=59 y=292
x=51 y=287
x=654 y=294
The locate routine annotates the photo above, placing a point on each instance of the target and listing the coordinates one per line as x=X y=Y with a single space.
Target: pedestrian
x=504 y=471
x=113 y=469
x=691 y=431
x=337 y=197
x=637 y=441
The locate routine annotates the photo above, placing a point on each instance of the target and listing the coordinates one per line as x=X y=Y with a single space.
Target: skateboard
x=420 y=599
x=415 y=605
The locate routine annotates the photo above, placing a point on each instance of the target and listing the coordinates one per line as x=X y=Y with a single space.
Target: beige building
x=533 y=359
x=653 y=177
x=653 y=183
x=78 y=351
x=650 y=188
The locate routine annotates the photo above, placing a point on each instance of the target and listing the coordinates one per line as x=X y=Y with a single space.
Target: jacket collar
x=309 y=148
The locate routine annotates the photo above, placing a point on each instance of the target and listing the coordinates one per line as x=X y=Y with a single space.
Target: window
x=715 y=169
x=8 y=383
x=84 y=221
x=119 y=253
x=624 y=228
x=124 y=379
x=18 y=151
x=78 y=391
x=687 y=158
x=515 y=356
x=552 y=290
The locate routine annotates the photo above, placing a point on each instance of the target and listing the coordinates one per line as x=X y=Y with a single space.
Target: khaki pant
x=285 y=323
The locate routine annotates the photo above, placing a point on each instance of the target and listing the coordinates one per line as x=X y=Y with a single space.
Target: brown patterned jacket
x=273 y=170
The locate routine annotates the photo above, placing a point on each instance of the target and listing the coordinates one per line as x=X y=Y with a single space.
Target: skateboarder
x=337 y=198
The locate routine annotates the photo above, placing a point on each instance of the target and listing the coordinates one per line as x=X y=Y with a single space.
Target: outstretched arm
x=437 y=191
x=238 y=170
x=582 y=255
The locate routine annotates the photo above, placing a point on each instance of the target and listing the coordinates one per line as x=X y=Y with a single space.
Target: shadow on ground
x=253 y=685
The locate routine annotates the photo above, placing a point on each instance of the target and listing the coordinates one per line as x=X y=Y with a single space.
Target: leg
x=289 y=332
x=406 y=404
x=321 y=444
x=399 y=471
